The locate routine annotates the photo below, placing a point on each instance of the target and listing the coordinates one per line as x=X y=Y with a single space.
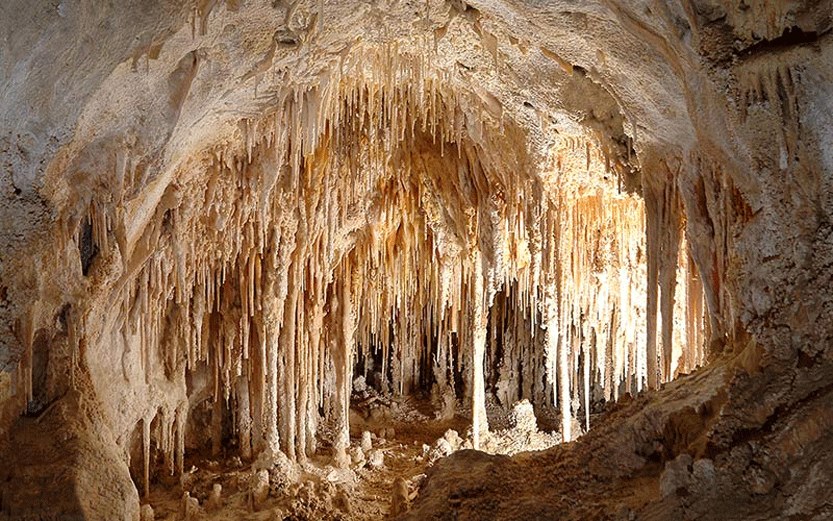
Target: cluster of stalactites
x=241 y=268
x=599 y=315
x=362 y=212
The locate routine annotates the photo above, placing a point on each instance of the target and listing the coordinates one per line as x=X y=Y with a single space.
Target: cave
x=400 y=259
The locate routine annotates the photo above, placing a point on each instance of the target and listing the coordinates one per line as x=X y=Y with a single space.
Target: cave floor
x=407 y=435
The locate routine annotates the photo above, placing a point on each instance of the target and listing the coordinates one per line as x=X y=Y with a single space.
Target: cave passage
x=378 y=228
x=288 y=259
x=364 y=231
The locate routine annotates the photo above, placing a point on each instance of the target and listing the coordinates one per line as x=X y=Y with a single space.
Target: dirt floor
x=393 y=444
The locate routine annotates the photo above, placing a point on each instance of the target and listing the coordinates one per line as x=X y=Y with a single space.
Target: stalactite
x=342 y=357
x=554 y=361
x=216 y=433
x=145 y=457
x=589 y=345
x=179 y=456
x=480 y=423
x=652 y=241
x=258 y=388
x=270 y=403
x=564 y=401
x=244 y=419
x=672 y=234
x=288 y=347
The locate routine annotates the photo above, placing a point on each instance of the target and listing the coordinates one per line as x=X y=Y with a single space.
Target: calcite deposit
x=239 y=236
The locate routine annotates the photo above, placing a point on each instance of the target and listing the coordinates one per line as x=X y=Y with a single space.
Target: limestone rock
x=400 y=497
x=441 y=449
x=677 y=475
x=357 y=456
x=376 y=458
x=453 y=438
x=522 y=417
x=444 y=402
x=359 y=384
x=190 y=510
x=146 y=513
x=260 y=487
x=366 y=443
x=342 y=501
x=215 y=500
x=282 y=473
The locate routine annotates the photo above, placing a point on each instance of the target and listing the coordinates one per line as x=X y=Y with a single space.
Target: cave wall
x=210 y=195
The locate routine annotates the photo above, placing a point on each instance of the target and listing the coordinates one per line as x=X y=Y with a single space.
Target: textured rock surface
x=657 y=457
x=523 y=417
x=211 y=213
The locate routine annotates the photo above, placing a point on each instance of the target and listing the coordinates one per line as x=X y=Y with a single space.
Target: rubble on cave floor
x=393 y=443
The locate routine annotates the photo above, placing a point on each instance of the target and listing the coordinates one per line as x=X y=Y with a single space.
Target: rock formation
x=217 y=215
